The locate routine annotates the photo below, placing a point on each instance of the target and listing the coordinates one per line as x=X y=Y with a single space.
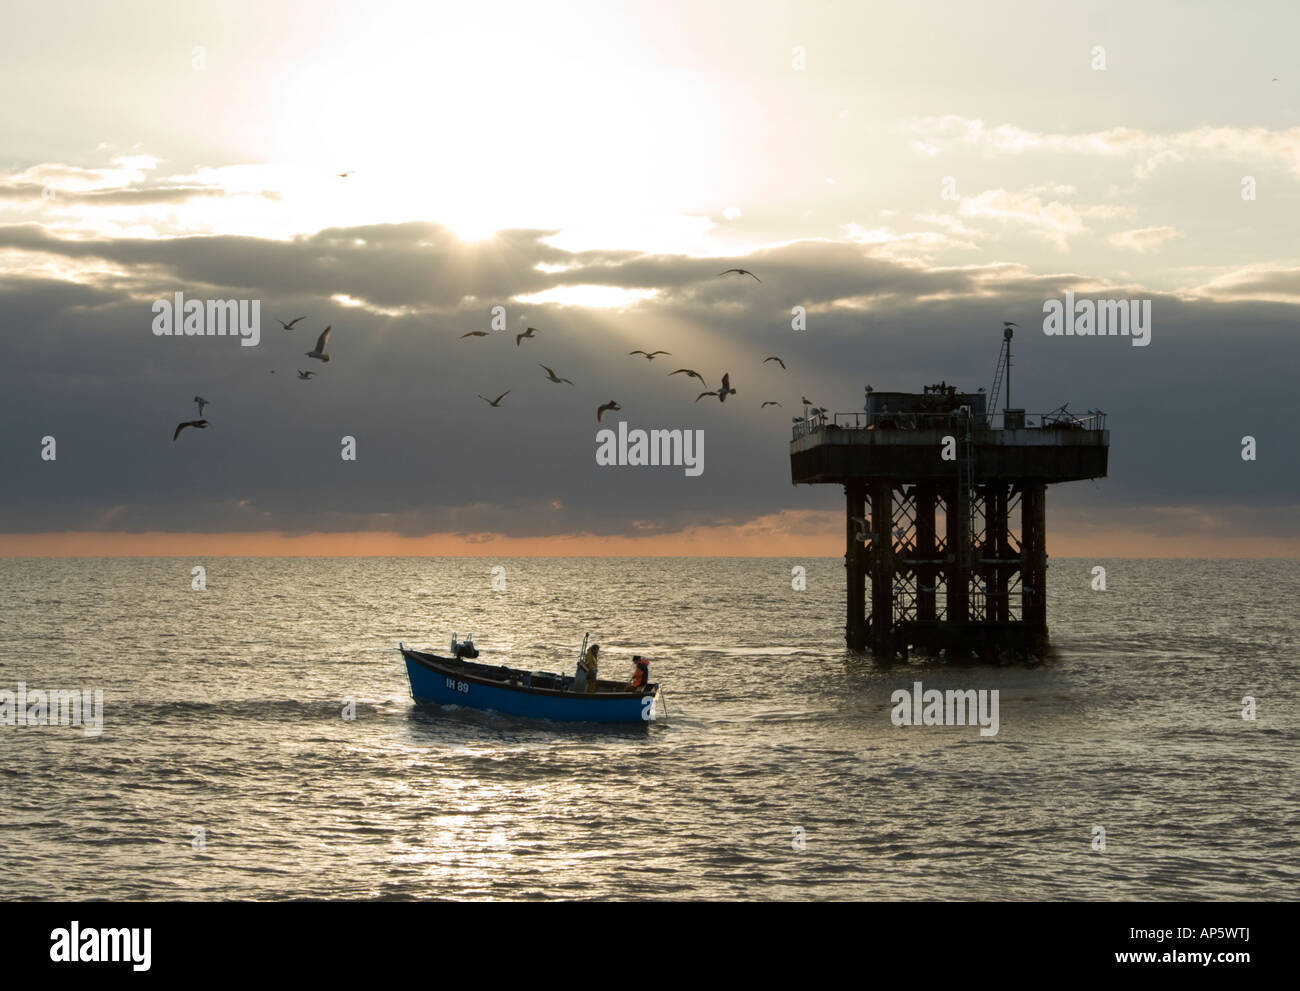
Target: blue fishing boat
x=462 y=680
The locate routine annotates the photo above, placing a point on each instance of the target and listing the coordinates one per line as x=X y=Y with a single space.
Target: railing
x=1058 y=419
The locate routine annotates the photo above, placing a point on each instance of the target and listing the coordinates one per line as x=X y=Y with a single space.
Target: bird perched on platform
x=528 y=332
x=742 y=271
x=608 y=407
x=319 y=351
x=649 y=355
x=201 y=403
x=551 y=376
x=777 y=360
x=201 y=424
x=494 y=402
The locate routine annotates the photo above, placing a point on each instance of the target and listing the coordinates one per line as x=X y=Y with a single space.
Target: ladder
x=1002 y=373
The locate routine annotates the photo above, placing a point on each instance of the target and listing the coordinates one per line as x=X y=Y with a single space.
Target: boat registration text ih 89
x=458 y=686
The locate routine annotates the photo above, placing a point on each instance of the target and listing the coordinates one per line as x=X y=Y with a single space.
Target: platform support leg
x=855 y=565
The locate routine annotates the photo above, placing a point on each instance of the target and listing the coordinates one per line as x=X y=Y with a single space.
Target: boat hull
x=452 y=682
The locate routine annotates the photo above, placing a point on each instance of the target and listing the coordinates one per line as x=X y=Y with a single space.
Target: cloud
x=1252 y=144
x=1054 y=220
x=1263 y=281
x=1144 y=239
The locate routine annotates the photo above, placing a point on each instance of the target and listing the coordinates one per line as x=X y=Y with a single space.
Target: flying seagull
x=1008 y=323
x=691 y=373
x=552 y=376
x=344 y=175
x=860 y=525
x=722 y=392
x=770 y=402
x=289 y=325
x=474 y=333
x=202 y=402
x=319 y=350
x=305 y=375
x=201 y=424
x=606 y=407
x=777 y=360
x=494 y=402
x=649 y=355
x=741 y=271
x=528 y=332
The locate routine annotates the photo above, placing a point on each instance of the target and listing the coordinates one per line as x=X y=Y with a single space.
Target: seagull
x=1008 y=323
x=344 y=175
x=649 y=355
x=528 y=332
x=741 y=271
x=860 y=525
x=474 y=333
x=319 y=350
x=722 y=392
x=201 y=424
x=808 y=402
x=551 y=376
x=691 y=373
x=606 y=407
x=305 y=375
x=289 y=325
x=494 y=402
x=770 y=402
x=202 y=402
x=777 y=360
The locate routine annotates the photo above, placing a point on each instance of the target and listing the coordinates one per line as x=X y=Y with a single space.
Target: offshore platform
x=945 y=513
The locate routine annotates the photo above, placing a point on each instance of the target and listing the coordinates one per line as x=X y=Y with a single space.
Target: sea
x=259 y=742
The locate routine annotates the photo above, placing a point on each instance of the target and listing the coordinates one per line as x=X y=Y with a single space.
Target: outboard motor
x=465 y=649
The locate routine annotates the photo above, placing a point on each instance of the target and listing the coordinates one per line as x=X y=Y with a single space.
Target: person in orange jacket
x=640 y=671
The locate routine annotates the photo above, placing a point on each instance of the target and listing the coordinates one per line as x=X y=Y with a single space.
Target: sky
x=905 y=176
